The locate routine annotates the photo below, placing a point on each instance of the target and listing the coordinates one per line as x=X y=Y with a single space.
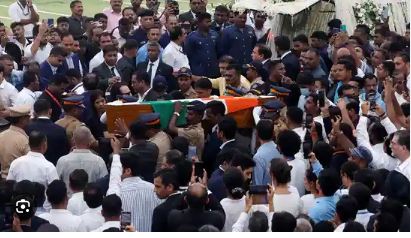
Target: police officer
x=194 y=132
x=73 y=109
x=184 y=79
x=201 y=48
x=238 y=40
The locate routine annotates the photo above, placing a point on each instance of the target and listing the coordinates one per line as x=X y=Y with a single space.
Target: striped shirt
x=137 y=196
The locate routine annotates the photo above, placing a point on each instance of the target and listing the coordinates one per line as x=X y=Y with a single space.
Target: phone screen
x=321 y=98
x=308 y=120
x=199 y=169
x=125 y=220
x=50 y=22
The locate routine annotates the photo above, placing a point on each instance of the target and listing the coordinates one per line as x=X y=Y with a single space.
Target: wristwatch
x=177 y=114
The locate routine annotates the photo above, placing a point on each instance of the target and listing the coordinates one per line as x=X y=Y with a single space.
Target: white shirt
x=41 y=55
x=78 y=89
x=340 y=228
x=222 y=145
x=70 y=63
x=301 y=131
x=76 y=204
x=33 y=167
x=107 y=225
x=363 y=217
x=8 y=94
x=285 y=54
x=233 y=209
x=308 y=202
x=92 y=218
x=260 y=33
x=288 y=203
x=99 y=59
x=153 y=69
x=404 y=168
x=26 y=97
x=173 y=55
x=64 y=220
x=297 y=174
x=18 y=13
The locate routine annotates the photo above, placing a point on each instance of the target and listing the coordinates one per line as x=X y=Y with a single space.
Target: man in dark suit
x=57 y=144
x=53 y=93
x=147 y=150
x=290 y=60
x=140 y=83
x=146 y=22
x=220 y=18
x=107 y=71
x=52 y=66
x=195 y=216
x=127 y=64
x=154 y=66
x=166 y=187
x=72 y=60
x=262 y=53
x=190 y=16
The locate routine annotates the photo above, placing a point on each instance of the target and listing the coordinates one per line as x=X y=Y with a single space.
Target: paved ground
x=55 y=8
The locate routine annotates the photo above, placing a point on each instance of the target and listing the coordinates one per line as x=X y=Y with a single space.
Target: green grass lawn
x=55 y=8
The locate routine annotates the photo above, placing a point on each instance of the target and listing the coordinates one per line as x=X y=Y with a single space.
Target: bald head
x=343 y=52
x=197 y=196
x=82 y=137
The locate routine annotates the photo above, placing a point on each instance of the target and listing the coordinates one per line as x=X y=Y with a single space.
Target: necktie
x=113 y=74
x=150 y=69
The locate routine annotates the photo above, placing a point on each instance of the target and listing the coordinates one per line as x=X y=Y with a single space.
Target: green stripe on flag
x=166 y=110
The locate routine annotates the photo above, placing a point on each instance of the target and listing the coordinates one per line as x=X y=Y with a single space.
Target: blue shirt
x=324 y=209
x=142 y=54
x=265 y=153
x=378 y=99
x=164 y=40
x=238 y=43
x=201 y=51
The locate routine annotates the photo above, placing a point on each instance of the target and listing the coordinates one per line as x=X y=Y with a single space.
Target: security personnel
x=14 y=142
x=194 y=132
x=156 y=135
x=238 y=40
x=184 y=82
x=201 y=48
x=73 y=109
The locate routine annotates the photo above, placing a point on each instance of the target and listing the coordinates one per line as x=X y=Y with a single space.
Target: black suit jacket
x=57 y=143
x=292 y=66
x=192 y=218
x=164 y=70
x=104 y=73
x=55 y=107
x=161 y=212
x=148 y=154
x=186 y=16
x=126 y=68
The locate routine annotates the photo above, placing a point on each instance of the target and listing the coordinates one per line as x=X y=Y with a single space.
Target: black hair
x=36 y=138
x=377 y=133
x=280 y=171
x=264 y=50
x=364 y=28
x=323 y=226
x=146 y=13
x=283 y=222
x=226 y=59
x=353 y=226
x=39 y=194
x=353 y=105
x=393 y=207
x=334 y=23
x=258 y=222
x=111 y=206
x=405 y=108
x=295 y=114
x=74 y=73
x=265 y=129
x=58 y=51
x=93 y=195
x=78 y=179
x=15 y=24
x=73 y=3
x=216 y=107
x=222 y=8
x=348 y=64
x=176 y=32
x=174 y=156
x=168 y=177
x=380 y=175
x=301 y=38
x=323 y=151
x=243 y=160
x=109 y=48
x=131 y=161
x=181 y=144
x=58 y=80
x=227 y=155
x=361 y=193
x=321 y=35
x=143 y=76
x=138 y=130
x=282 y=42
x=329 y=181
x=203 y=83
x=283 y=142
x=403 y=138
x=228 y=126
x=305 y=78
x=234 y=66
x=62 y=19
x=201 y=16
x=342 y=88
x=359 y=80
x=386 y=222
x=130 y=44
x=90 y=81
x=365 y=176
x=346 y=208
x=234 y=181
x=184 y=169
x=56 y=192
x=349 y=168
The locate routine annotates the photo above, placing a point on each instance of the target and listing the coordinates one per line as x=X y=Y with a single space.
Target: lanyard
x=53 y=98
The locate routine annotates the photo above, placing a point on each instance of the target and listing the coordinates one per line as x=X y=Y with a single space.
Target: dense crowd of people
x=329 y=151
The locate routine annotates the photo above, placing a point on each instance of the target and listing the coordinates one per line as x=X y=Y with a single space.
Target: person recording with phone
x=371 y=94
